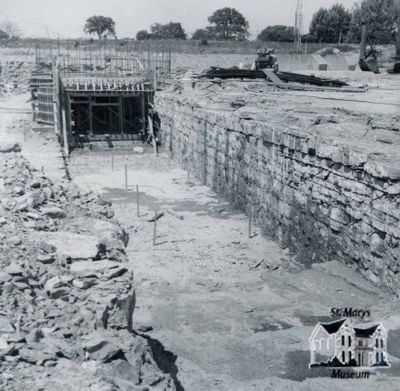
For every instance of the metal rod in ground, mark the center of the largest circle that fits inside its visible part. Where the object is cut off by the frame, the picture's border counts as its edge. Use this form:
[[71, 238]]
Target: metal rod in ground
[[250, 221], [112, 161], [155, 228], [126, 176], [137, 200]]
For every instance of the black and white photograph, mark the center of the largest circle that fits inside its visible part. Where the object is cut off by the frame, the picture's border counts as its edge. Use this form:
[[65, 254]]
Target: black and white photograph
[[199, 195]]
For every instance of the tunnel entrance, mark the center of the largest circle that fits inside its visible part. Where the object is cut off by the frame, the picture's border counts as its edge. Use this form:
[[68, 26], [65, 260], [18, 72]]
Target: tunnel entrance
[[117, 116], [104, 110]]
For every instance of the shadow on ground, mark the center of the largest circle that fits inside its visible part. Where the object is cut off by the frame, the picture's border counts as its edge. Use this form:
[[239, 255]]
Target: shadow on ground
[[165, 360], [297, 368], [221, 211]]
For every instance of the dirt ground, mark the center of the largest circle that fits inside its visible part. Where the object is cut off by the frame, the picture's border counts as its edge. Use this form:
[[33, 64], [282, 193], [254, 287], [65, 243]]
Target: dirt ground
[[234, 312]]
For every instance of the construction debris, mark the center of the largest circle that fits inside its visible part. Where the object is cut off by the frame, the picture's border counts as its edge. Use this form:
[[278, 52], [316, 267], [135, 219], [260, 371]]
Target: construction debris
[[286, 77], [67, 291]]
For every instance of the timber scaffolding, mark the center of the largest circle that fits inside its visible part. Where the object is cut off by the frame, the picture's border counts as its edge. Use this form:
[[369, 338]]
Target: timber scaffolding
[[97, 95]]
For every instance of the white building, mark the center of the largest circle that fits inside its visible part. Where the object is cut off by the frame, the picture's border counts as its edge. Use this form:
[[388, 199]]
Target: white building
[[339, 344]]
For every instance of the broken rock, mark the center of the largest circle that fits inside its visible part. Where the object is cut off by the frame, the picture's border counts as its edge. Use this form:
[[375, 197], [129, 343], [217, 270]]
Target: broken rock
[[7, 147], [5, 326], [54, 212], [14, 270], [36, 353], [74, 246], [46, 259], [56, 288], [83, 284], [101, 348], [119, 312], [53, 283], [90, 268]]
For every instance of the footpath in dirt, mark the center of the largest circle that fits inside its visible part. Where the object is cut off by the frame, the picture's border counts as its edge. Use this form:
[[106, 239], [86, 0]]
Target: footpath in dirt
[[235, 312]]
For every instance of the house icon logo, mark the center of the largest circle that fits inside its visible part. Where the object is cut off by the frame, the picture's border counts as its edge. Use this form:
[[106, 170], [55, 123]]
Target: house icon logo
[[340, 345]]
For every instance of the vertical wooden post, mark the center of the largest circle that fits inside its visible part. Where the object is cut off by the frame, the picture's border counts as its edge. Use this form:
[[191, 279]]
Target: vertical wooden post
[[155, 228], [151, 129], [137, 200], [56, 96], [126, 176], [250, 221], [90, 116], [112, 161], [65, 137]]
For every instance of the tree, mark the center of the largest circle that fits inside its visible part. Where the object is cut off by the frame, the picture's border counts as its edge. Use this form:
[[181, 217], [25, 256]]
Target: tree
[[381, 17], [103, 26], [318, 24], [10, 28], [142, 35], [277, 33], [156, 31], [200, 34], [3, 35], [309, 38], [228, 23], [170, 30], [331, 26]]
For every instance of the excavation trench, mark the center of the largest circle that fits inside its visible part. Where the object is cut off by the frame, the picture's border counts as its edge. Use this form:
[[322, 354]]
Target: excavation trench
[[234, 312], [291, 162], [231, 313]]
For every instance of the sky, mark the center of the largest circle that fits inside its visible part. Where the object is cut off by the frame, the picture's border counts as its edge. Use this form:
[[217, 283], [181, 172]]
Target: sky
[[66, 18]]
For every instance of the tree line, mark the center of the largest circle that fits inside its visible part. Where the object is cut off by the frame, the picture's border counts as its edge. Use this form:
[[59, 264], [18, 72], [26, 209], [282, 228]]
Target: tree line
[[328, 25]]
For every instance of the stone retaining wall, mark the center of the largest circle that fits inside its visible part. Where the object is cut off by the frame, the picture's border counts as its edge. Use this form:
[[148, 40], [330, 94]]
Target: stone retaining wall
[[320, 200]]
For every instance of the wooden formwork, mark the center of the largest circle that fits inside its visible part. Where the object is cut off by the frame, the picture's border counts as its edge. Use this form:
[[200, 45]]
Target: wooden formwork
[[103, 109], [45, 97], [97, 96]]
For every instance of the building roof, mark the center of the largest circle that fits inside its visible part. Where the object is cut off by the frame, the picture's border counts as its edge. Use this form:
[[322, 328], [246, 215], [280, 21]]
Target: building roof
[[333, 327], [366, 333]]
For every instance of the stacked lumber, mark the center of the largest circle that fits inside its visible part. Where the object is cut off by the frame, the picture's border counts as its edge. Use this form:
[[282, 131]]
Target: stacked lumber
[[287, 77]]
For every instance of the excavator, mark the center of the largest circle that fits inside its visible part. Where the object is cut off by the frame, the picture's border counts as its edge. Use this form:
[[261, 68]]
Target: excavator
[[368, 60]]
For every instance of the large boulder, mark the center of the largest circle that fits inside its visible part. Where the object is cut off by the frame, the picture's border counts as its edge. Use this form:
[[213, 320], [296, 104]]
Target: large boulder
[[118, 312], [9, 146], [108, 232], [74, 246]]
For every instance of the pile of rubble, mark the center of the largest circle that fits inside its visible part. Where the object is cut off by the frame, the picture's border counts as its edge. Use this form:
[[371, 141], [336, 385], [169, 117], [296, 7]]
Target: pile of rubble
[[66, 290], [14, 76]]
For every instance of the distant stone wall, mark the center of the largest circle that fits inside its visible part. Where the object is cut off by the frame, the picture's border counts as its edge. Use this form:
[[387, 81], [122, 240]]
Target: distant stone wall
[[322, 201]]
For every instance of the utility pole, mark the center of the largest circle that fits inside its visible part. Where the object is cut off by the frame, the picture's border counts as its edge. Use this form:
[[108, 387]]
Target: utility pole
[[298, 26]]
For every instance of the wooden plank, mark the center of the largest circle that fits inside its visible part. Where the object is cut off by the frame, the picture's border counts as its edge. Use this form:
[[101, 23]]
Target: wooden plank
[[272, 77]]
